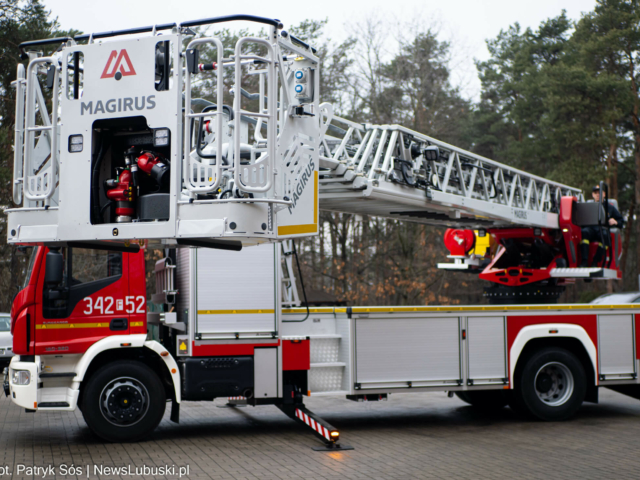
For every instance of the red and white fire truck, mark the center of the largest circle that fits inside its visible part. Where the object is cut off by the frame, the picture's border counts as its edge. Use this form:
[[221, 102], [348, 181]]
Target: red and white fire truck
[[127, 158]]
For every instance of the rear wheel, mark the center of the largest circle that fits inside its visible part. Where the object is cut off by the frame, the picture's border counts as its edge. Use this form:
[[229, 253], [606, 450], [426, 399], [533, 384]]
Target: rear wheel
[[485, 400], [124, 401], [552, 385]]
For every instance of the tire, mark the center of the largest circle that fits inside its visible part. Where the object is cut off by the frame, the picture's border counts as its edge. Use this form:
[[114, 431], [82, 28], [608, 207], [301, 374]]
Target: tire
[[551, 385], [485, 400], [128, 385]]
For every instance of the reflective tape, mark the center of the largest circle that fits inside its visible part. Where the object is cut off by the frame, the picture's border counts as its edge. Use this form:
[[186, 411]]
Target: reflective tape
[[313, 424]]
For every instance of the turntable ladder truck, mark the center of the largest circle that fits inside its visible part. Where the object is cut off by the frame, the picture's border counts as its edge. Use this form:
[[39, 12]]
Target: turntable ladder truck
[[113, 153]]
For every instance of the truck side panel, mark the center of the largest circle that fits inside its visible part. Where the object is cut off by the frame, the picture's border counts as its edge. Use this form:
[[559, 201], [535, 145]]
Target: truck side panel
[[616, 346], [385, 349], [486, 349], [419, 350]]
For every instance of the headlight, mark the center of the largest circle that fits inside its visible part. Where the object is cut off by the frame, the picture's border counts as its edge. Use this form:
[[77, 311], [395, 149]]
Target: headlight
[[21, 377]]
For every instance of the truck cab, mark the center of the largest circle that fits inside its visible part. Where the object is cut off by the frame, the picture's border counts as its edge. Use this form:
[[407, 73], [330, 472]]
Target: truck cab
[[75, 297], [76, 304]]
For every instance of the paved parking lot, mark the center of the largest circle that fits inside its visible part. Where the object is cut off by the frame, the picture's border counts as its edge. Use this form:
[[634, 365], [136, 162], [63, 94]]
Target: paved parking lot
[[410, 436]]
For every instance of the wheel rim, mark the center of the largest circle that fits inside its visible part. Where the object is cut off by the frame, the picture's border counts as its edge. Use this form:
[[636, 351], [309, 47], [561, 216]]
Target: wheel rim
[[554, 384], [124, 401]]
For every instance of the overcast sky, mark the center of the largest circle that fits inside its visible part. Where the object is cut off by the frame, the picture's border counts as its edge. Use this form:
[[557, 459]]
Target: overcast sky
[[466, 23]]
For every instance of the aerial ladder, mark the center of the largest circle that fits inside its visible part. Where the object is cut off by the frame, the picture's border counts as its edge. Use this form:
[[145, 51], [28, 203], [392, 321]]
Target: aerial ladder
[[113, 150]]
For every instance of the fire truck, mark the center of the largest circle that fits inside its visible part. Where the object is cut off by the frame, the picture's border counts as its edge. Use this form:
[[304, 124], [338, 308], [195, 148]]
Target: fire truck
[[113, 154]]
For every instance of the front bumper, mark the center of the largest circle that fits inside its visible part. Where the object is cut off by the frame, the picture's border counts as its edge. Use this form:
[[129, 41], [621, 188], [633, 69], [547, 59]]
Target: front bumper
[[25, 396]]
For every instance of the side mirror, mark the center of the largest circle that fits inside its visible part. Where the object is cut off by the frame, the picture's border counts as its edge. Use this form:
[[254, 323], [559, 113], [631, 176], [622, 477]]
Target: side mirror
[[53, 274]]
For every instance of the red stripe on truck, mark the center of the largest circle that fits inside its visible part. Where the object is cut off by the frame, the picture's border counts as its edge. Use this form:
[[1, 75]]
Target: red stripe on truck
[[226, 350]]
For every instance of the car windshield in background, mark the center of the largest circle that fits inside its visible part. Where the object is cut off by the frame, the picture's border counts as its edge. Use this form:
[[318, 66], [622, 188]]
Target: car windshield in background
[[5, 323], [617, 298]]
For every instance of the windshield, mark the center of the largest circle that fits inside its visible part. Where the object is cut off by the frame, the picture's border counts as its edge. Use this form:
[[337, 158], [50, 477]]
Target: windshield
[[32, 260], [5, 323]]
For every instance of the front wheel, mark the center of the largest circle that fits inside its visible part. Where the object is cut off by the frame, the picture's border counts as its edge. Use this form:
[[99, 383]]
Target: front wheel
[[124, 401], [552, 385]]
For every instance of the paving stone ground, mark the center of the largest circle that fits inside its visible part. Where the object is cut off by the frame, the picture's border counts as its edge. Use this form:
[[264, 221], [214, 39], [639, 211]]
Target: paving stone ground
[[409, 436]]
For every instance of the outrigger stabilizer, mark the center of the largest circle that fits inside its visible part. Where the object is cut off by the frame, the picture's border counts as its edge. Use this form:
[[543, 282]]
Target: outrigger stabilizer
[[294, 407], [296, 410], [322, 429]]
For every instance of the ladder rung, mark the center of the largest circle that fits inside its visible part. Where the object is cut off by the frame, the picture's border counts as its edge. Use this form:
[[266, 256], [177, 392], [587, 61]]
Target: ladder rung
[[262, 115], [206, 114]]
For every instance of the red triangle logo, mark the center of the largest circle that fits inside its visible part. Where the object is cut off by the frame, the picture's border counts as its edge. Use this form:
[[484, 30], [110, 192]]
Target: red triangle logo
[[118, 61]]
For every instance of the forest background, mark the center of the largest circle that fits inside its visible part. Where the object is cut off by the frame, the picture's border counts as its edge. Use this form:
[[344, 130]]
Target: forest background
[[561, 101]]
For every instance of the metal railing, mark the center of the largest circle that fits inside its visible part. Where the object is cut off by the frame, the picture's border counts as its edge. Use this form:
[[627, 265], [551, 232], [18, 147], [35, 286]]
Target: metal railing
[[18, 165], [198, 176], [165, 283], [256, 177], [40, 185], [380, 156]]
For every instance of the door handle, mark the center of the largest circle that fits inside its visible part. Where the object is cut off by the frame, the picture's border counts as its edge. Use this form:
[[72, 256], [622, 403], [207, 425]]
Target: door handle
[[118, 324], [28, 331]]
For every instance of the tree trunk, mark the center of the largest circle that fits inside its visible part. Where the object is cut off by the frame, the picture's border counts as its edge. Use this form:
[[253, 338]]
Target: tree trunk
[[627, 234], [612, 171], [636, 125], [637, 202]]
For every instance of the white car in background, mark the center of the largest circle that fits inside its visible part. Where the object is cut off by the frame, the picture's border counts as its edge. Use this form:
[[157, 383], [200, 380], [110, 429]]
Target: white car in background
[[617, 298], [6, 340]]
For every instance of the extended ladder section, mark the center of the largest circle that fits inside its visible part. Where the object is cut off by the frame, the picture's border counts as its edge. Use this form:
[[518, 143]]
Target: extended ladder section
[[391, 171], [129, 153]]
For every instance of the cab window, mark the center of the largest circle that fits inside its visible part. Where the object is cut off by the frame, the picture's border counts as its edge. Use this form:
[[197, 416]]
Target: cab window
[[85, 271], [89, 265]]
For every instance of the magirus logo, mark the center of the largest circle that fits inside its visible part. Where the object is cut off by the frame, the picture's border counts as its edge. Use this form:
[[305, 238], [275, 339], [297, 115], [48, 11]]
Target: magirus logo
[[119, 65]]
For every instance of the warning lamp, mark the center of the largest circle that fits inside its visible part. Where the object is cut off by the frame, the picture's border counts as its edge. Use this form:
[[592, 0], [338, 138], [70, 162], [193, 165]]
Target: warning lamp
[[431, 153], [335, 435], [161, 137], [75, 143]]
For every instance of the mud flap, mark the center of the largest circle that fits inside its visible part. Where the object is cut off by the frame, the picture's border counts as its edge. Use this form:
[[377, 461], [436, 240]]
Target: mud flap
[[175, 412]]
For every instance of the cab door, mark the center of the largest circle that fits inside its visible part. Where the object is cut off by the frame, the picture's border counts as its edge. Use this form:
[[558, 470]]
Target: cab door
[[136, 301], [89, 305]]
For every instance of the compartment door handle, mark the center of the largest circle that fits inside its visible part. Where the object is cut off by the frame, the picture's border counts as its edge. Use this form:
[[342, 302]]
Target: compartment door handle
[[118, 324]]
